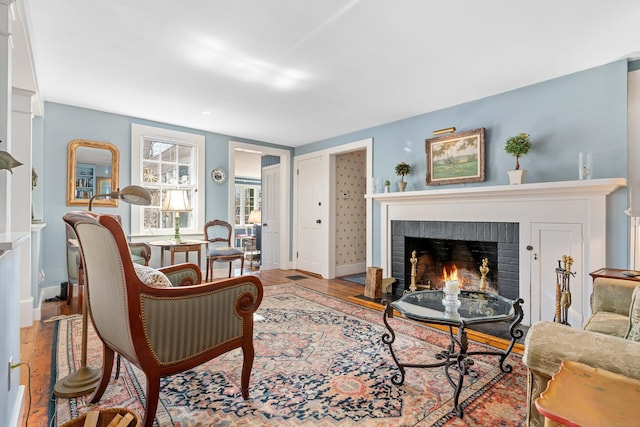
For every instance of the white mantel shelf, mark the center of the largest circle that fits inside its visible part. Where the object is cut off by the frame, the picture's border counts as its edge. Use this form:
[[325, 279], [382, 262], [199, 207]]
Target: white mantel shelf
[[522, 191]]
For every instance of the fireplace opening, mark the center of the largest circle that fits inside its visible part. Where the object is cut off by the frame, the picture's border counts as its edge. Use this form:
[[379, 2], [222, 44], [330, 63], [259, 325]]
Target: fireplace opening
[[440, 244], [436, 257]]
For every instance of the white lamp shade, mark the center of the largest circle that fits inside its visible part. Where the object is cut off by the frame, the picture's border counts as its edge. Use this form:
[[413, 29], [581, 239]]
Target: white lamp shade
[[255, 217], [176, 201]]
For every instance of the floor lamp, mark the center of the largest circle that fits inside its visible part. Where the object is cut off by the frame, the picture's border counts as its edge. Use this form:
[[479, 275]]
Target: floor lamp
[[86, 379]]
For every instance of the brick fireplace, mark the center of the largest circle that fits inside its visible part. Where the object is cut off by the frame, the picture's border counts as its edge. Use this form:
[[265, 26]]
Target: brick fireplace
[[440, 244]]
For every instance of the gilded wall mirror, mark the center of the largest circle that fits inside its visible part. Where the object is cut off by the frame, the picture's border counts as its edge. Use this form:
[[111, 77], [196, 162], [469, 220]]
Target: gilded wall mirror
[[92, 168]]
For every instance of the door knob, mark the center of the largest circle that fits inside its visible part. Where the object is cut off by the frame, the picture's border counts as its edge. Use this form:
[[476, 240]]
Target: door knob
[[318, 221], [265, 224]]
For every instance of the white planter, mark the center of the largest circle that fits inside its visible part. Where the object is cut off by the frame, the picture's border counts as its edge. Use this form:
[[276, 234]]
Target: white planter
[[517, 176]]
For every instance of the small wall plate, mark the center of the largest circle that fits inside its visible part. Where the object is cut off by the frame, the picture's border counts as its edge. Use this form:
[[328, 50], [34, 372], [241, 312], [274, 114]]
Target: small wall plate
[[218, 176]]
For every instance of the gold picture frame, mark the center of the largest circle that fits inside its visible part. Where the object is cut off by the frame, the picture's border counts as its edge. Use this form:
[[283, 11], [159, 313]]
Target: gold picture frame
[[456, 158]]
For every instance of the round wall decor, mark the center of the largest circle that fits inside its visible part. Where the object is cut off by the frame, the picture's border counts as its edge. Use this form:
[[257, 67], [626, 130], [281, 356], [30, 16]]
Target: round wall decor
[[218, 176]]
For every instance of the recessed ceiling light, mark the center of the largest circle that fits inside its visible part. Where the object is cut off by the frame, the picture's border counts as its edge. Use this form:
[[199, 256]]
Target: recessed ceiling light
[[206, 113]]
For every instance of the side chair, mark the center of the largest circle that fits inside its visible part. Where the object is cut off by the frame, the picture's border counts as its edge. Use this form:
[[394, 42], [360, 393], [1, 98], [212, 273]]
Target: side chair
[[161, 330], [217, 233]]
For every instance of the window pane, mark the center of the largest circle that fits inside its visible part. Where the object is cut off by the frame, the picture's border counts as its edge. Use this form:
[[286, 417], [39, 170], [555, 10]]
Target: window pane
[[185, 154], [170, 154], [149, 172], [151, 218]]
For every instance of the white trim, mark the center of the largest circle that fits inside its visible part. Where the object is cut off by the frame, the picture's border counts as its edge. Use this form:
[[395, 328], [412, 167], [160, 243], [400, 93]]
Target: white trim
[[285, 191], [348, 269], [198, 203]]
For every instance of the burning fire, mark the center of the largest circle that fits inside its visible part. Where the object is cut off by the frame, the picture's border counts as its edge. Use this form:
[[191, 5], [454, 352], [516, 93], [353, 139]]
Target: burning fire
[[451, 274]]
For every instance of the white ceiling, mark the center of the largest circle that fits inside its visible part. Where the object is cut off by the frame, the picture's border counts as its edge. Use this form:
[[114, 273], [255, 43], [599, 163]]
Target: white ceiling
[[296, 71]]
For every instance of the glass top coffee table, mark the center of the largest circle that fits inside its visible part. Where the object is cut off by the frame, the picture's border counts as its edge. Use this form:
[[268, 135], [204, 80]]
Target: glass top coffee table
[[472, 307]]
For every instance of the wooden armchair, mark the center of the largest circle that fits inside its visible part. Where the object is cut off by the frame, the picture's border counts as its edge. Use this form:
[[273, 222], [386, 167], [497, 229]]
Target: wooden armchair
[[162, 331]]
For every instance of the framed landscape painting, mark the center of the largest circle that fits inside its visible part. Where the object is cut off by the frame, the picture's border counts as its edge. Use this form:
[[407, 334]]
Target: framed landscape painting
[[455, 158]]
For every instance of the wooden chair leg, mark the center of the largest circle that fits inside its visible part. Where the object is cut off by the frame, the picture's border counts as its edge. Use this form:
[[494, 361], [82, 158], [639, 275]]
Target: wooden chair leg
[[206, 276], [153, 392], [242, 265], [230, 268], [69, 292]]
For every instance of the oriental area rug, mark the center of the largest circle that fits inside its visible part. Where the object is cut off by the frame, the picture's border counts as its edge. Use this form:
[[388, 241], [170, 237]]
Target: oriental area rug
[[319, 361]]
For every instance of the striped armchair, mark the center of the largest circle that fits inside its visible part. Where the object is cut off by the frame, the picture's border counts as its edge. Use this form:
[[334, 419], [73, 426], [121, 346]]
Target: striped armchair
[[162, 331]]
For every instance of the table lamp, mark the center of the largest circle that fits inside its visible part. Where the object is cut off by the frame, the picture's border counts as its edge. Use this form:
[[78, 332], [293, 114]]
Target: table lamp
[[255, 217], [176, 201], [86, 379]]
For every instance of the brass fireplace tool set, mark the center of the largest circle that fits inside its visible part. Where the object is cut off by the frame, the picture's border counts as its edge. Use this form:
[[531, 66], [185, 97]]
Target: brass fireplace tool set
[[563, 289]]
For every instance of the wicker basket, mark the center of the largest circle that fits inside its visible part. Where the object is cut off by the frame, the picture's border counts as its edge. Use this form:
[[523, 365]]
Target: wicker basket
[[106, 415]]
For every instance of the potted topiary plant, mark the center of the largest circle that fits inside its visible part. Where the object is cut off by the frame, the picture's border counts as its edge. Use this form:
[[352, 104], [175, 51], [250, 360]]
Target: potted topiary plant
[[387, 184], [518, 146], [402, 169]]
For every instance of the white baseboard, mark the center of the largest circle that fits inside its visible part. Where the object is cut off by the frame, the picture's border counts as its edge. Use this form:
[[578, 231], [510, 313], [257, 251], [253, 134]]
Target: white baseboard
[[26, 312], [347, 269], [18, 408], [49, 292]]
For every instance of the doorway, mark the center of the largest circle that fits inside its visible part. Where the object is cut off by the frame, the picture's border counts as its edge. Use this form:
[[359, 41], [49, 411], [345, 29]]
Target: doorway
[[273, 182], [315, 204]]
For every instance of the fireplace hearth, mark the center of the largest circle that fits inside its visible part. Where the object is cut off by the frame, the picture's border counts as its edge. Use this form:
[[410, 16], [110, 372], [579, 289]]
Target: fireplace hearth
[[443, 244]]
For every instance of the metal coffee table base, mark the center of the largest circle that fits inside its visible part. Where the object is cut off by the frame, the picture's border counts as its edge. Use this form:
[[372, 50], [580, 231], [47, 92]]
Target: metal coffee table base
[[455, 357]]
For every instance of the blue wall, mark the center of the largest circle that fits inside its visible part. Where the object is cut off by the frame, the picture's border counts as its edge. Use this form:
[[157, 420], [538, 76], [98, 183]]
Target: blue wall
[[585, 111], [64, 123]]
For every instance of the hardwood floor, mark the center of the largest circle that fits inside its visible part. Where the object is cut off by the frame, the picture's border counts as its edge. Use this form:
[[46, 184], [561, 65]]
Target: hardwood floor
[[36, 341]]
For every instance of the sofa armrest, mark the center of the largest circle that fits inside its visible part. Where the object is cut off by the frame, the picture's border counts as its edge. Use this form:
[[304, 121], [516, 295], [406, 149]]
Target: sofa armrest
[[184, 274], [612, 295], [547, 344]]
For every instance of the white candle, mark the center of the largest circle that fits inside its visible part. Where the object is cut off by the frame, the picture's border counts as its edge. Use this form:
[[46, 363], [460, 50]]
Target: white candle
[[451, 286]]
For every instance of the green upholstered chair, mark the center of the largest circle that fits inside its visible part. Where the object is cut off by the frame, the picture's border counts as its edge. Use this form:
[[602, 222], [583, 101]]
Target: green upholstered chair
[[161, 330], [609, 340]]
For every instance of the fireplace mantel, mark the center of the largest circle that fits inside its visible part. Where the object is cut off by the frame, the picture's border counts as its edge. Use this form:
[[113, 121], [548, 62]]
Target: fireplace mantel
[[555, 218], [523, 191]]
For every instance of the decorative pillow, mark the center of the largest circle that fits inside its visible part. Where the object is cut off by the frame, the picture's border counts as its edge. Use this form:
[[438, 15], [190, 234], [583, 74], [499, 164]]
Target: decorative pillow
[[634, 316], [152, 277]]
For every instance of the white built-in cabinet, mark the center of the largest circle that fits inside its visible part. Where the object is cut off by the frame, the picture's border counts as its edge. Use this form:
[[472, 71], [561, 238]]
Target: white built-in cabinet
[[548, 243]]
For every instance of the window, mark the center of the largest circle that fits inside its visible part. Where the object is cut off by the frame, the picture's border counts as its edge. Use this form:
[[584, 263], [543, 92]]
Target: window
[[248, 198], [162, 159]]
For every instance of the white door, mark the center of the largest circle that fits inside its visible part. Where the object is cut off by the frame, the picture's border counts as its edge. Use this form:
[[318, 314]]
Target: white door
[[550, 242], [311, 189], [270, 251]]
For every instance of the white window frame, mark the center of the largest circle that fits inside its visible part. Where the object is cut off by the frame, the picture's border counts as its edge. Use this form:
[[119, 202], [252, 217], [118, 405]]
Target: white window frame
[[138, 133]]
